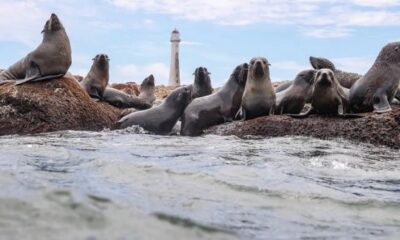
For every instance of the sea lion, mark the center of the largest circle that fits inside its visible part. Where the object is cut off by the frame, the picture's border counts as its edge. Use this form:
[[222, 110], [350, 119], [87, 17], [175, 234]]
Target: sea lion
[[376, 89], [346, 79], [97, 79], [120, 99], [160, 119], [50, 60], [328, 96], [259, 96], [293, 99], [216, 108], [202, 83], [147, 89]]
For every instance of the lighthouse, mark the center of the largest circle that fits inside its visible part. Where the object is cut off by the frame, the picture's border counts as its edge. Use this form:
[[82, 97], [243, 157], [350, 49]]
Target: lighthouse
[[174, 77]]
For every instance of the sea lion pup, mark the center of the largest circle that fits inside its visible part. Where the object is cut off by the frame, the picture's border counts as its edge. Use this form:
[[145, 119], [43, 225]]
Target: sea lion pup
[[293, 99], [97, 79], [376, 89], [346, 79], [147, 89], [160, 119], [328, 97], [216, 108], [259, 96], [120, 99], [202, 83], [50, 60]]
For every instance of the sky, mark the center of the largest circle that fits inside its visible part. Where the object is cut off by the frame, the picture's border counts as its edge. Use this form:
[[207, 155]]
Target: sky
[[217, 34]]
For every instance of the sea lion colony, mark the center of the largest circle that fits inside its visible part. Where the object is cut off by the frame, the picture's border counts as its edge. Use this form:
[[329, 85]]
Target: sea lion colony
[[247, 94]]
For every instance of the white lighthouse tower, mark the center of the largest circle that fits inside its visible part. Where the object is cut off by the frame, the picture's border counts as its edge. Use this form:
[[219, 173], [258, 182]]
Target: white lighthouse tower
[[174, 77]]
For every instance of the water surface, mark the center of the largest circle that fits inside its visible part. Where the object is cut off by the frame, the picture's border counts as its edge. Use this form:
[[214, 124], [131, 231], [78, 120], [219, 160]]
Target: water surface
[[122, 185]]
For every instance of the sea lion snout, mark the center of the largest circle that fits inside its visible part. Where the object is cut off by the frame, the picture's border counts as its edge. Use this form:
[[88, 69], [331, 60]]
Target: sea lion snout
[[324, 77]]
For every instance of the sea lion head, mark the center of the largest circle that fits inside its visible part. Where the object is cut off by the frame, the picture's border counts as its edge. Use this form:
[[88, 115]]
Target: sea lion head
[[325, 78], [147, 82], [240, 74], [101, 60], [390, 53], [53, 24], [180, 97], [319, 63], [305, 77], [259, 67], [201, 76]]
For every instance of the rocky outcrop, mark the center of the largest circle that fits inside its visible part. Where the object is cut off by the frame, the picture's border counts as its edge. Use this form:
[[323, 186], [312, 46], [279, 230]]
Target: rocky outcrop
[[380, 129], [54, 105]]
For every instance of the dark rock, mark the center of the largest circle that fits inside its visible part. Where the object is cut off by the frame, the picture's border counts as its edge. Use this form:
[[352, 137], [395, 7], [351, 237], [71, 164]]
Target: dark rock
[[383, 129], [54, 105]]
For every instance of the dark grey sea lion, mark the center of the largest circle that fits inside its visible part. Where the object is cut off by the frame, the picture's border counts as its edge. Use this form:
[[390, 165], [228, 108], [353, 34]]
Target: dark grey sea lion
[[160, 119], [120, 99], [259, 96], [376, 89], [147, 89], [346, 79], [202, 83], [328, 97], [97, 79], [50, 60], [216, 108], [293, 99]]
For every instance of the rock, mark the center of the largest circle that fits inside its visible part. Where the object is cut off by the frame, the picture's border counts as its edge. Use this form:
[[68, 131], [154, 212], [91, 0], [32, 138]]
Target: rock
[[383, 129], [130, 88], [78, 78], [54, 105]]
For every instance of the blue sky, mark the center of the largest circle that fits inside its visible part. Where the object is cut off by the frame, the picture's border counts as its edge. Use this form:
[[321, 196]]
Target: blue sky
[[216, 34]]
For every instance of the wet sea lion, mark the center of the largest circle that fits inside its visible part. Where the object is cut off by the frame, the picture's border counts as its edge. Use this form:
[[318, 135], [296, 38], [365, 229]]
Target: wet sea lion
[[376, 89], [346, 79], [160, 119], [202, 83], [293, 99], [50, 60], [147, 89], [328, 96], [216, 108], [259, 96], [120, 99], [97, 79]]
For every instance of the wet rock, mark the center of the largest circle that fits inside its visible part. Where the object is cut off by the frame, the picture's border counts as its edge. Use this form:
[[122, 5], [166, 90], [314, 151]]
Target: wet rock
[[383, 129], [54, 105]]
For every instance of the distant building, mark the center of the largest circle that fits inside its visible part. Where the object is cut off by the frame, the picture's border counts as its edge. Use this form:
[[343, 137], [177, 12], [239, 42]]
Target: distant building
[[174, 76]]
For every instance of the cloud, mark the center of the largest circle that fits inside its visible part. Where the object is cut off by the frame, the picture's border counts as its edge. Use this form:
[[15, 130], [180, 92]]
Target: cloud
[[354, 64], [136, 73], [21, 21], [336, 18], [289, 65]]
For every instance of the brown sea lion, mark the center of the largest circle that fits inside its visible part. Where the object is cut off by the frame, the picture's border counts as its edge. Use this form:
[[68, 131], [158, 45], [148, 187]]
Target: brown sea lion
[[259, 96], [216, 108], [346, 79], [50, 60], [147, 89], [120, 99], [328, 97], [293, 99], [376, 89], [97, 79], [160, 119], [202, 83]]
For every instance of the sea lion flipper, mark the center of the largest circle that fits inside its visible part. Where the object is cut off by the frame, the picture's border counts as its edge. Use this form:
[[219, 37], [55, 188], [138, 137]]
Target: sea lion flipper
[[241, 114], [350, 115], [303, 115], [397, 96], [381, 104]]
